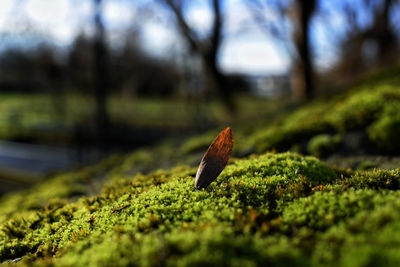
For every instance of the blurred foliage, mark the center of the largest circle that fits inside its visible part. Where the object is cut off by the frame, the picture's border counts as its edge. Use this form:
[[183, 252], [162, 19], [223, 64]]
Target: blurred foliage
[[64, 186], [371, 107], [260, 125], [35, 117], [386, 130], [323, 144]]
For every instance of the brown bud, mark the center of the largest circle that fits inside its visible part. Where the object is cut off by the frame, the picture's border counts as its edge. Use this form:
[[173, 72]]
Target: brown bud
[[215, 159]]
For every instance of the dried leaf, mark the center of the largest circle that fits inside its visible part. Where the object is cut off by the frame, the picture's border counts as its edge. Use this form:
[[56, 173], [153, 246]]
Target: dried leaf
[[215, 159]]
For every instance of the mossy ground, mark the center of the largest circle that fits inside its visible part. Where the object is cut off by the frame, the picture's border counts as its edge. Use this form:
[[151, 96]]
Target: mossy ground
[[371, 108], [281, 209], [274, 208]]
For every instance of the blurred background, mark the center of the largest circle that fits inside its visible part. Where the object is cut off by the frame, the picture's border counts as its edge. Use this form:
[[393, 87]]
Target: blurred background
[[82, 79]]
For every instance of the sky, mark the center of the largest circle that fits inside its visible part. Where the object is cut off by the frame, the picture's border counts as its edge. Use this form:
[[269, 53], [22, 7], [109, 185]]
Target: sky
[[246, 48]]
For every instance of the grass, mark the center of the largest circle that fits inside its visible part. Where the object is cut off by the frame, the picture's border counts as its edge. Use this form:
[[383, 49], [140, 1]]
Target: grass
[[47, 117]]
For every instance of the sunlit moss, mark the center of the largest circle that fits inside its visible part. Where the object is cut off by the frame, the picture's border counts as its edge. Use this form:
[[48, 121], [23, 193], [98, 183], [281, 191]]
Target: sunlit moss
[[239, 201], [385, 131], [279, 209], [375, 110], [323, 145]]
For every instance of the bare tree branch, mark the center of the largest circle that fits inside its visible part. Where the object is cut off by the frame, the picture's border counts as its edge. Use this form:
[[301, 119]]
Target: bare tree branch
[[207, 48], [188, 33], [217, 27], [278, 31]]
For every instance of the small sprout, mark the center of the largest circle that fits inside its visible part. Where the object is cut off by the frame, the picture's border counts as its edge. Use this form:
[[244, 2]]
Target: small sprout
[[215, 159]]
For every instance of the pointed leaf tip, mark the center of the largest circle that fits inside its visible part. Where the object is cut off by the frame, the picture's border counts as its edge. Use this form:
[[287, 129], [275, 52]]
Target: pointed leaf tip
[[215, 159]]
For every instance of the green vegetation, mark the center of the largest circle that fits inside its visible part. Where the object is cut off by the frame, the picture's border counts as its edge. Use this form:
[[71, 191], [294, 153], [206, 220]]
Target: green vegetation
[[323, 144], [372, 107], [281, 209], [386, 130], [274, 208], [47, 118], [318, 127]]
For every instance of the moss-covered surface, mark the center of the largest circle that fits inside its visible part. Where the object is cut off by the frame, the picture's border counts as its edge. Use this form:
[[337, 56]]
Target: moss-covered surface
[[275, 208], [280, 209], [372, 108], [323, 144], [321, 127]]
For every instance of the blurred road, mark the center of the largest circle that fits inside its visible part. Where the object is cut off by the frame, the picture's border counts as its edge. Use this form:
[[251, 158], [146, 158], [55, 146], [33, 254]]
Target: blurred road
[[23, 164]]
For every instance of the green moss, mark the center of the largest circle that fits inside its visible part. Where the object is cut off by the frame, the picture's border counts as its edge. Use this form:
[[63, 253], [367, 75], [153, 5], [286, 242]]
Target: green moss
[[62, 186], [323, 145], [198, 143], [367, 165], [295, 129], [278, 209], [369, 238], [270, 209], [358, 110], [322, 210], [385, 131], [376, 179], [374, 107], [243, 196], [215, 246]]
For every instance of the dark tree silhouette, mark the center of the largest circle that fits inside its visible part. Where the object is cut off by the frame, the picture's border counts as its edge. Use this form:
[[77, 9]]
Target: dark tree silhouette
[[381, 31], [365, 47], [101, 79], [79, 64], [207, 48], [299, 13], [304, 84]]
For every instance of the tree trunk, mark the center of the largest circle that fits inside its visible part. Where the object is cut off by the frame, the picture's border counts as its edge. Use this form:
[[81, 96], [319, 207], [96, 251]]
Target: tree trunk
[[220, 82], [304, 82], [386, 37], [208, 50], [101, 81]]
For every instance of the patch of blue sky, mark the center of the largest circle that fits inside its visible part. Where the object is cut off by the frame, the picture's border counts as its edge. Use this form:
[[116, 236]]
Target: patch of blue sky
[[245, 48]]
